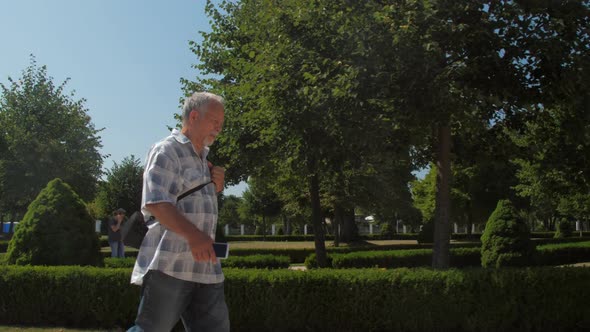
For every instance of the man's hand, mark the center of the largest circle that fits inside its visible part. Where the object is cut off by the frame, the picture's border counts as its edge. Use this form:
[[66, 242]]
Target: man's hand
[[202, 247], [217, 176], [201, 244]]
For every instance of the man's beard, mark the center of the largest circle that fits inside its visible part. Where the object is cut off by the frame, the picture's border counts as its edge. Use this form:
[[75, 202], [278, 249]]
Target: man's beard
[[208, 141]]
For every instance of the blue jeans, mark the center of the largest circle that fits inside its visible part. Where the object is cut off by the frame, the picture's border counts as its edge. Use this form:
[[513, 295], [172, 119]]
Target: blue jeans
[[165, 299], [117, 249]]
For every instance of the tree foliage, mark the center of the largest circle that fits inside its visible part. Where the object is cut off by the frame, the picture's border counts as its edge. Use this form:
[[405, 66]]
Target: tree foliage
[[45, 133], [56, 230], [229, 211], [350, 97], [122, 188]]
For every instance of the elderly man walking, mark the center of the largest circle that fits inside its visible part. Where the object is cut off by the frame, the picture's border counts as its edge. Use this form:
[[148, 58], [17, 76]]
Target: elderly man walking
[[180, 275]]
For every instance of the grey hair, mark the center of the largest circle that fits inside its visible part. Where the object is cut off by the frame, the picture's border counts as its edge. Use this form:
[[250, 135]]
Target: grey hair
[[198, 102]]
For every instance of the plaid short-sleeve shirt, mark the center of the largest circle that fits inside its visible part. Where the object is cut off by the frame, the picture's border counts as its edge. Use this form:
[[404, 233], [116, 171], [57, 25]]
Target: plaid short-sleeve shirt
[[172, 168]]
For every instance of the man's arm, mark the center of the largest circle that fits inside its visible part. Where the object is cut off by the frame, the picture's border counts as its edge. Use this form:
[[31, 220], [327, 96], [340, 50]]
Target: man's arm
[[200, 243], [115, 226]]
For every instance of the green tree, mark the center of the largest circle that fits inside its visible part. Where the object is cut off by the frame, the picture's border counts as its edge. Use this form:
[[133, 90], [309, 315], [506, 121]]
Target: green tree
[[312, 83], [293, 72], [45, 134], [56, 230], [423, 194], [229, 211], [261, 201], [122, 188], [564, 229]]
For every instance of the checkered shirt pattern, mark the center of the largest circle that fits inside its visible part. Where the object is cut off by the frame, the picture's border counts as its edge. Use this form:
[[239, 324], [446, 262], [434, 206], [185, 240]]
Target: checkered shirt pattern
[[172, 168]]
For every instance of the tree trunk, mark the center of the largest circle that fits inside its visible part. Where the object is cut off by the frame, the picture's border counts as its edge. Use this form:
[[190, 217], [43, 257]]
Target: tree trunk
[[263, 228], [286, 225], [442, 228], [1, 224], [316, 216], [336, 222], [349, 229]]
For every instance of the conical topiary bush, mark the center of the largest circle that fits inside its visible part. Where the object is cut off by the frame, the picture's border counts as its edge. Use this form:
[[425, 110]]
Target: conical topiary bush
[[56, 230], [506, 239], [564, 229]]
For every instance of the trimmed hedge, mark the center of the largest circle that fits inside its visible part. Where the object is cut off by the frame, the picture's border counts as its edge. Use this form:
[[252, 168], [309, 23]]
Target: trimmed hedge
[[253, 262], [257, 261], [555, 254], [460, 257], [119, 263], [299, 255], [563, 253], [509, 299], [397, 236]]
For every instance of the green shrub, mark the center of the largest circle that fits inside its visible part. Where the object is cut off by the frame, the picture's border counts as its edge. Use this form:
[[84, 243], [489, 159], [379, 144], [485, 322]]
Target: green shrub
[[258, 230], [280, 231], [426, 234], [460, 257], [257, 262], [56, 230], [506, 239], [311, 261], [251, 262], [564, 229], [119, 263], [281, 300], [387, 231], [563, 253]]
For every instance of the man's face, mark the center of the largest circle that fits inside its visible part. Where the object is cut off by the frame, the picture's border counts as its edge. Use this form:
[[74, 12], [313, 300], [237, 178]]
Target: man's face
[[119, 216], [209, 125]]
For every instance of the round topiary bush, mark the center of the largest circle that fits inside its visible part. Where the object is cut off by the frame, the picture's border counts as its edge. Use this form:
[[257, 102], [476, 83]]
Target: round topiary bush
[[56, 230], [426, 234], [564, 229], [506, 239]]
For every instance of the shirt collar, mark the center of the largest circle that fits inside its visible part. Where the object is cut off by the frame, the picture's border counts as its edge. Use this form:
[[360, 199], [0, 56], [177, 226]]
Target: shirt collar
[[182, 139]]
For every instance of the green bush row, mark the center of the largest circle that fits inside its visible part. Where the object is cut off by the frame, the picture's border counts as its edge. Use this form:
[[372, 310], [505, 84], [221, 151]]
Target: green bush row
[[257, 261], [554, 254], [529, 299], [299, 255], [397, 236], [251, 262], [460, 257]]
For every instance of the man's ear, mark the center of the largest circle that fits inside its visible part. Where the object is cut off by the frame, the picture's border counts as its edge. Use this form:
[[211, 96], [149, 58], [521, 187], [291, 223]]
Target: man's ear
[[195, 115]]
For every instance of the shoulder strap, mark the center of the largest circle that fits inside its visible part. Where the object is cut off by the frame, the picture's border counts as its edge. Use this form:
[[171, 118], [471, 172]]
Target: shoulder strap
[[197, 188]]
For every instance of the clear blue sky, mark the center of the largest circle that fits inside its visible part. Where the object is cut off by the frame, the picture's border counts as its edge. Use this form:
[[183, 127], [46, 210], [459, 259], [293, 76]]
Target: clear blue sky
[[125, 57]]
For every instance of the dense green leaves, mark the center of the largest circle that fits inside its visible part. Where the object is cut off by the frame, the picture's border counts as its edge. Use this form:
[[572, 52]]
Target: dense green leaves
[[122, 188], [45, 133], [57, 230], [506, 239], [344, 99]]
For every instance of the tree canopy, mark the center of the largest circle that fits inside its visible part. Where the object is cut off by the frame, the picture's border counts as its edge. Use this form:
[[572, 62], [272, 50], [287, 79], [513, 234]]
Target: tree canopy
[[45, 133]]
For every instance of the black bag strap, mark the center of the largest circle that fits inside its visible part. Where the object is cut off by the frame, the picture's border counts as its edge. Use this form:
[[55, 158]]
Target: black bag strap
[[197, 188]]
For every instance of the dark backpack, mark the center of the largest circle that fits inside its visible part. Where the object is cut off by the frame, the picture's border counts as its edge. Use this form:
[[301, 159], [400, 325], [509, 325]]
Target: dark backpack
[[133, 230]]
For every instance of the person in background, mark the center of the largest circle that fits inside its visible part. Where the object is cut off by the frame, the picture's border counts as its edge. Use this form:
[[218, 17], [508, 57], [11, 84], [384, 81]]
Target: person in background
[[115, 239]]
